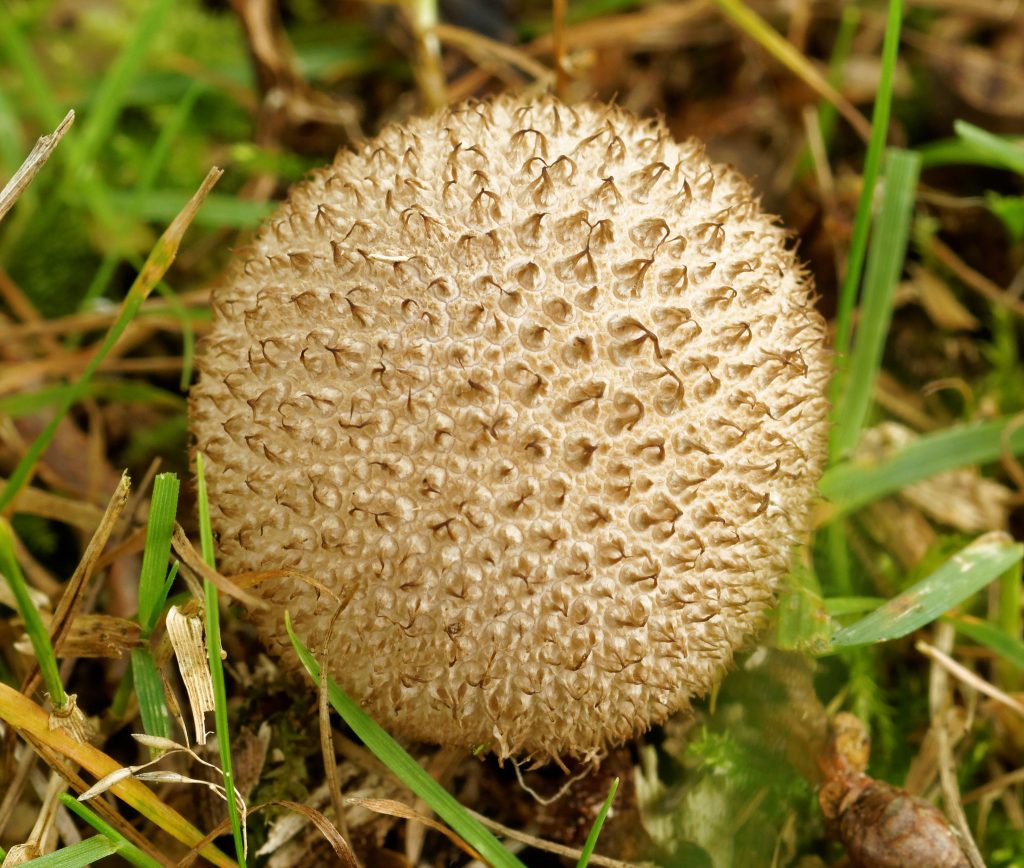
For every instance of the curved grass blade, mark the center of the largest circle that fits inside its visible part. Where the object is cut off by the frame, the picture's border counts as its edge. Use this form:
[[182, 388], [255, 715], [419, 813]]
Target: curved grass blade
[[38, 635], [122, 846], [995, 150], [801, 622], [1009, 648], [840, 606], [967, 572], [872, 165], [886, 257], [76, 855], [23, 403], [149, 690], [109, 100], [221, 211], [751, 23], [595, 830], [213, 649], [855, 483], [152, 576], [410, 772]]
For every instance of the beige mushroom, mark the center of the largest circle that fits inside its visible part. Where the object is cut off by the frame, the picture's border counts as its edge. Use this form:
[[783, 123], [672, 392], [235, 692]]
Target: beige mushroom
[[539, 393]]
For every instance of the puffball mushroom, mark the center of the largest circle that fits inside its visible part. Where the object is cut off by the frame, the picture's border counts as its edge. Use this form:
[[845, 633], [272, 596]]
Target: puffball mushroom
[[538, 393]]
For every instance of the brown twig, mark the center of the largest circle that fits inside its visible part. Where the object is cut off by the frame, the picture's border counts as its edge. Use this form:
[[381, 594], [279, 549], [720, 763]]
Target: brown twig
[[964, 675], [789, 56], [550, 846], [192, 559], [326, 745], [439, 767], [23, 308], [152, 312], [973, 279], [46, 504], [481, 47], [60, 624], [286, 99], [17, 777], [994, 786], [660, 24], [939, 698]]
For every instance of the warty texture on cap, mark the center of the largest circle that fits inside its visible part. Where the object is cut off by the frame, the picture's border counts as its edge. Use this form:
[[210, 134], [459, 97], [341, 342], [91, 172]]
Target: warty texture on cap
[[538, 393]]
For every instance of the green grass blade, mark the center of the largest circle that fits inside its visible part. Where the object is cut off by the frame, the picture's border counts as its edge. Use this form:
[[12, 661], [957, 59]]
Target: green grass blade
[[11, 145], [188, 335], [213, 651], [149, 690], [853, 484], [1009, 648], [967, 572], [958, 151], [884, 267], [840, 569], [125, 848], [169, 582], [839, 606], [996, 151], [77, 855], [37, 632], [155, 161], [801, 622], [109, 100], [872, 166], [1010, 623], [205, 525], [169, 133], [159, 260], [82, 146], [841, 49], [410, 772], [25, 403], [45, 107], [152, 577], [595, 830], [220, 212]]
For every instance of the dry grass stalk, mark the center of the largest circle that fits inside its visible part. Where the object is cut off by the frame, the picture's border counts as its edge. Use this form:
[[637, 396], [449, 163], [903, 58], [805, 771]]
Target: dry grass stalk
[[939, 699], [33, 163]]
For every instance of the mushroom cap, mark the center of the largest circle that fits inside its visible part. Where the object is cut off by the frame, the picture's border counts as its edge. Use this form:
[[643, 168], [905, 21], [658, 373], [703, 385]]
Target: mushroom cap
[[538, 394]]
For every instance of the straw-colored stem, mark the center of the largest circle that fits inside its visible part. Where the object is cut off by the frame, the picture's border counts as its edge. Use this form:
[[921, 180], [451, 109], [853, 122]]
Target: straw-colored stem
[[423, 19], [558, 10]]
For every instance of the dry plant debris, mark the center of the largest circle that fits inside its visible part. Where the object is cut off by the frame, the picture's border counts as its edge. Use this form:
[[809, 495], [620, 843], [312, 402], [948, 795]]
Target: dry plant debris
[[881, 826]]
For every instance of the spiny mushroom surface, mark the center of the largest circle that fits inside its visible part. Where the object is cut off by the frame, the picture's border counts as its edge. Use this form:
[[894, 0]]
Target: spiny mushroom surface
[[538, 393]]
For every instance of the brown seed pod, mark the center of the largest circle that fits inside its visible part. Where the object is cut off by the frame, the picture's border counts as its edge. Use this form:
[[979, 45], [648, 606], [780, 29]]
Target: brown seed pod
[[538, 391], [880, 825]]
